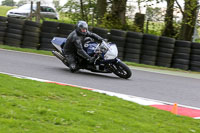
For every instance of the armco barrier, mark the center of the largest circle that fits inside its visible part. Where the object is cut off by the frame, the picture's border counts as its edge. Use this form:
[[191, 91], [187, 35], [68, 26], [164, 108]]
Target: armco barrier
[[132, 46]]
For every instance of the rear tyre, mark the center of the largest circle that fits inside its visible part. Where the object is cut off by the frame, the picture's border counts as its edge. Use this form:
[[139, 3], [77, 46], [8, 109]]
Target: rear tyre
[[120, 69]]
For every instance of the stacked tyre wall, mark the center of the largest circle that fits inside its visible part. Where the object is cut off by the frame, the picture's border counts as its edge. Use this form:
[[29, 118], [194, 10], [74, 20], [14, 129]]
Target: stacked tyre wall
[[101, 32], [14, 32], [149, 49], [165, 51], [65, 29], [195, 57], [31, 35], [3, 27], [181, 57], [49, 30], [132, 46]]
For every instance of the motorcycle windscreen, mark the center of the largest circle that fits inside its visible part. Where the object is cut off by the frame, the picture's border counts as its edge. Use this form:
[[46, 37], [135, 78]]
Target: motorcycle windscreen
[[112, 52], [91, 48]]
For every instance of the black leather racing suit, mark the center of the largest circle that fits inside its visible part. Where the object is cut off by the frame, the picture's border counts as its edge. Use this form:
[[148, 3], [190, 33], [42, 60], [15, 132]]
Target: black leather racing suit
[[74, 47]]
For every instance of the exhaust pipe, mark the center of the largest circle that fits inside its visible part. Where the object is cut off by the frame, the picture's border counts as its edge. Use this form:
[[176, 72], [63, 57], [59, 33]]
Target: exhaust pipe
[[58, 55]]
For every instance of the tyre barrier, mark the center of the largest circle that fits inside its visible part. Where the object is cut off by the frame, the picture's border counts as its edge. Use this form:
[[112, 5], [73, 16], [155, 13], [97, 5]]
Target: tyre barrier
[[165, 51], [195, 57], [3, 27], [65, 29], [49, 29], [133, 46], [149, 49], [181, 57], [31, 35], [14, 32], [100, 31], [119, 38]]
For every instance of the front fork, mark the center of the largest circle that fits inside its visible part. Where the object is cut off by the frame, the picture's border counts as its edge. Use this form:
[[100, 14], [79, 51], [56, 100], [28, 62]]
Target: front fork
[[110, 64]]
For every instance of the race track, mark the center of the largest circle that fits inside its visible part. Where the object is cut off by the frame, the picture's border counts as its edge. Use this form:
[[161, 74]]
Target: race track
[[163, 87]]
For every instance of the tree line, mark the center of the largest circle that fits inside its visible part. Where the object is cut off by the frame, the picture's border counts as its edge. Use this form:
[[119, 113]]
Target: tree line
[[113, 14]]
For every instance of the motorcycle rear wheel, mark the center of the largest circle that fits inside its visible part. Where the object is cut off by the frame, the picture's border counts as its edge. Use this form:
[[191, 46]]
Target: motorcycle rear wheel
[[122, 70]]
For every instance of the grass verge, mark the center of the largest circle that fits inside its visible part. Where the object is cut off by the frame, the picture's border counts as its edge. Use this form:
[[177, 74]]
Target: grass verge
[[31, 106], [128, 63], [26, 50], [4, 10]]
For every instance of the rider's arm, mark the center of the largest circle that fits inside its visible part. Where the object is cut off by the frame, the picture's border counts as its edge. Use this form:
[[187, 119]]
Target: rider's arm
[[80, 51], [95, 36]]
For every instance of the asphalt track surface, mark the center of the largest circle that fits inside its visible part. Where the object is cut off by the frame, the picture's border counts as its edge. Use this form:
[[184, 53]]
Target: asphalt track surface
[[163, 87]]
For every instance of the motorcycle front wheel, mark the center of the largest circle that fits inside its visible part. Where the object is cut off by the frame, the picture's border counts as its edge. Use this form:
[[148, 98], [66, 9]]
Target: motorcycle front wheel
[[120, 69]]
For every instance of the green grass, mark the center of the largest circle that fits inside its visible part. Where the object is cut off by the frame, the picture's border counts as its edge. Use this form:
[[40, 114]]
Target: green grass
[[4, 9], [35, 107], [26, 50]]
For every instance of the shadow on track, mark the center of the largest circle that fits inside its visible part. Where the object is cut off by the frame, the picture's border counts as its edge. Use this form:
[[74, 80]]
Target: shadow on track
[[88, 73]]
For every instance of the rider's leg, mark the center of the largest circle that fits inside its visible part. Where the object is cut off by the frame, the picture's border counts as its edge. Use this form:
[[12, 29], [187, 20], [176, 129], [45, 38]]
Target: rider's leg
[[73, 66]]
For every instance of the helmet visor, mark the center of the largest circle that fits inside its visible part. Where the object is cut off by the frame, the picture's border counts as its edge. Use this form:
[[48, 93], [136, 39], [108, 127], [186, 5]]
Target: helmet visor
[[83, 30]]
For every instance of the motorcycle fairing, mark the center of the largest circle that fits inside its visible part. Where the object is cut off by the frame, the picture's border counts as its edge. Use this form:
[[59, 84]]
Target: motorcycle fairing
[[59, 42]]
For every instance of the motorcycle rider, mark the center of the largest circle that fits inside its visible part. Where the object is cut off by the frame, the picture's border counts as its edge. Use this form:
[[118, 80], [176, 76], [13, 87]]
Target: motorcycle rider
[[74, 45]]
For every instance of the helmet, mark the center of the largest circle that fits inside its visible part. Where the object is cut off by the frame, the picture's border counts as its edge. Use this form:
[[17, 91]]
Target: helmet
[[82, 28]]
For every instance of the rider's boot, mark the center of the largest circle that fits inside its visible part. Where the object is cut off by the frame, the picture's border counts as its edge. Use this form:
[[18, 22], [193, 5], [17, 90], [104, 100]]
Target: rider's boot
[[73, 67]]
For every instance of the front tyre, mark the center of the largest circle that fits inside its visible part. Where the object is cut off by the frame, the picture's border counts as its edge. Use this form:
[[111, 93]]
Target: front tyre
[[120, 69]]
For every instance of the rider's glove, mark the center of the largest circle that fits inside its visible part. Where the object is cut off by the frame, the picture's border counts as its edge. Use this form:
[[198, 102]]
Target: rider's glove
[[105, 40]]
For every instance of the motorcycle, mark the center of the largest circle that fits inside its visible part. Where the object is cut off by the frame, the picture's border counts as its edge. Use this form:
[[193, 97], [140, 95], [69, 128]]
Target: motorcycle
[[105, 54]]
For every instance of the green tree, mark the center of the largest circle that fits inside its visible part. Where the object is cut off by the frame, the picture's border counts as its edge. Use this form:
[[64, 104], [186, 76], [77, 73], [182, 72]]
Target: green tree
[[72, 10], [169, 28], [115, 17], [118, 11], [188, 21], [80, 10], [8, 3], [22, 2], [57, 4], [154, 17], [154, 14], [101, 10]]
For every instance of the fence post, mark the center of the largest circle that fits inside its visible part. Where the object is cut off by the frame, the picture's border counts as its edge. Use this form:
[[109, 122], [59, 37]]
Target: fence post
[[38, 12], [31, 12]]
